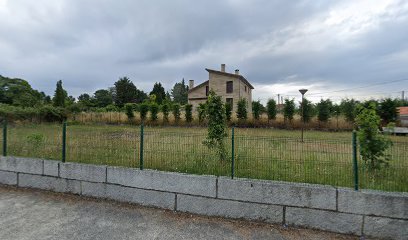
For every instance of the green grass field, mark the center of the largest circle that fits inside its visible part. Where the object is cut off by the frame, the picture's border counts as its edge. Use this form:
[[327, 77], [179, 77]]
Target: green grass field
[[323, 158]]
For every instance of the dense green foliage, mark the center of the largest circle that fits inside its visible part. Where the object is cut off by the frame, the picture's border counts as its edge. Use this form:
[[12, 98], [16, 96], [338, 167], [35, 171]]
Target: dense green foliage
[[289, 109], [348, 108], [18, 92], [143, 109], [176, 112], [256, 109], [125, 91], [324, 108], [216, 125], [165, 110], [60, 96], [271, 109], [202, 111], [242, 109], [180, 93], [188, 109], [158, 91], [129, 111], [387, 110], [308, 110], [373, 145], [154, 110]]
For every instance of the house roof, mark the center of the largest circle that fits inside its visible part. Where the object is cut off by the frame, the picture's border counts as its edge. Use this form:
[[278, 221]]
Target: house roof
[[231, 75], [199, 85], [403, 110]]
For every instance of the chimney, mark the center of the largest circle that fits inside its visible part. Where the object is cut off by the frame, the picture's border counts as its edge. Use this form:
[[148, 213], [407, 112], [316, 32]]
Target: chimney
[[191, 84], [237, 71], [223, 67]]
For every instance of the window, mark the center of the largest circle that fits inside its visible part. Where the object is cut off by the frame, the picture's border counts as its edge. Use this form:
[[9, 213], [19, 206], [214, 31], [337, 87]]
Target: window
[[230, 101], [206, 90], [229, 86], [245, 88]]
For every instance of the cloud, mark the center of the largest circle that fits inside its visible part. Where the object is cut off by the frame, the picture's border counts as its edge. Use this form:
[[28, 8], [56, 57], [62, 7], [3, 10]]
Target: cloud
[[279, 46]]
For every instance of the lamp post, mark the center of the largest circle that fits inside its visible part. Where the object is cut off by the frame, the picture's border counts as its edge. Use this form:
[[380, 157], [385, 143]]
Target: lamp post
[[303, 91]]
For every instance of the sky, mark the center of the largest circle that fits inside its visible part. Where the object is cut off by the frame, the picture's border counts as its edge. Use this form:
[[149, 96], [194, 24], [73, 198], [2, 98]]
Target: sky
[[335, 49]]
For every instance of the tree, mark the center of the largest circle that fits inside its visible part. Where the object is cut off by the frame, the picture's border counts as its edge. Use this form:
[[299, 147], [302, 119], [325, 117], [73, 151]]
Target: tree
[[372, 144], [180, 93], [308, 110], [158, 90], [348, 108], [242, 109], [154, 110], [216, 125], [60, 95], [165, 109], [256, 109], [289, 109], [85, 101], [202, 111], [126, 92], [336, 111], [176, 111], [102, 98], [324, 110], [188, 108], [129, 111], [18, 92], [144, 109], [271, 109], [388, 110]]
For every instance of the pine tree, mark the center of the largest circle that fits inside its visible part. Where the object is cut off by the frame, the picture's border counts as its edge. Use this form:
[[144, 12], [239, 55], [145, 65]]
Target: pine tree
[[60, 95]]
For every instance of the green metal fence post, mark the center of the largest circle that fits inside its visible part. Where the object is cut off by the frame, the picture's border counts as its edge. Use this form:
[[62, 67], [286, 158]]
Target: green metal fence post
[[64, 140], [141, 145], [232, 153], [5, 138], [355, 165]]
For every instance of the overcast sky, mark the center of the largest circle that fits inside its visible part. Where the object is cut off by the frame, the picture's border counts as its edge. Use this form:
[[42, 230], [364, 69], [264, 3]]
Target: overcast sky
[[278, 45]]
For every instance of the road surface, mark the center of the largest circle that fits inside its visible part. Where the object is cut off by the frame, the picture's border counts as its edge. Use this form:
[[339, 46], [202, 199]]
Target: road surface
[[31, 214]]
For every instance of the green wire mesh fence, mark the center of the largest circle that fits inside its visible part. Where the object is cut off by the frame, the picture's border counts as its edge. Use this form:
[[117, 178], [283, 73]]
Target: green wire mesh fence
[[321, 159]]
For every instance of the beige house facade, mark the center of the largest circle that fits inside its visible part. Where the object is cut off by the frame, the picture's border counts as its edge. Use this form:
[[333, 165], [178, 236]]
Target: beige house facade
[[230, 86]]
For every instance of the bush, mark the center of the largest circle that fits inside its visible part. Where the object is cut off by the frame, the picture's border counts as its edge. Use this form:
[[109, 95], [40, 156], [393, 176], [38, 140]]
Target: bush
[[372, 144], [271, 109], [176, 111], [165, 109], [202, 111], [129, 111], [53, 114], [308, 110], [289, 109], [144, 109], [324, 110], [154, 110], [111, 108], [242, 109], [188, 108], [216, 125], [256, 109]]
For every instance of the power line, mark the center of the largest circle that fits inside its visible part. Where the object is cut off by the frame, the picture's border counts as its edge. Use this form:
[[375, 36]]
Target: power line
[[371, 85]]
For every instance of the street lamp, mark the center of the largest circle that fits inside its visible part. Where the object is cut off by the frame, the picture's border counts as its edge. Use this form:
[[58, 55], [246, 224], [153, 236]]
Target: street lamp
[[303, 91]]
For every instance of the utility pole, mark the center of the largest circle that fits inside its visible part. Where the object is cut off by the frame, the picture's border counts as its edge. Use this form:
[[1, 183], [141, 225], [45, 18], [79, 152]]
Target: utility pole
[[402, 95], [278, 99]]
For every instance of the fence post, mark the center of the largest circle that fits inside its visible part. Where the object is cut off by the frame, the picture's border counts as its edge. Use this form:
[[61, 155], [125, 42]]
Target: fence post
[[141, 145], [5, 138], [64, 140], [355, 165], [232, 153]]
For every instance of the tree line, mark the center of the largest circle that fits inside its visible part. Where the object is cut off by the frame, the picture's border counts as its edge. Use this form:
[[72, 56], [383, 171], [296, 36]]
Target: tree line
[[19, 101]]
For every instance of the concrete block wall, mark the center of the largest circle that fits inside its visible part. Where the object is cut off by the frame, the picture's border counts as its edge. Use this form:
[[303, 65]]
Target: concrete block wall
[[342, 210]]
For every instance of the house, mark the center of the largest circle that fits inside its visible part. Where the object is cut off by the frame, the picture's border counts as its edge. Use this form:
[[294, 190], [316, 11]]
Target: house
[[230, 86], [403, 116]]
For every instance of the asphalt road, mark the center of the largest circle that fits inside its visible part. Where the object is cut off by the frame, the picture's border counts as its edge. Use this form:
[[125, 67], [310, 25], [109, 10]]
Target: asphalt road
[[32, 214]]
